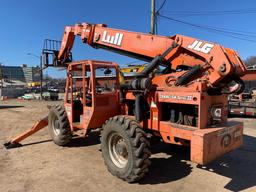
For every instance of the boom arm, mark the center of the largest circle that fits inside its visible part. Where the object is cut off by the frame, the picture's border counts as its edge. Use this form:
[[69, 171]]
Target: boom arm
[[215, 61]]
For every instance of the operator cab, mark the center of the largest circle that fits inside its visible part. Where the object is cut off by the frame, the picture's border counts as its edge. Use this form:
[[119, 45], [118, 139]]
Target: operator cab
[[91, 88]]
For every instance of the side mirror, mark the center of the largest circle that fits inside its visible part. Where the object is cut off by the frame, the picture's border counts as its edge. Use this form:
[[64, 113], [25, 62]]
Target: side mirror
[[107, 71]]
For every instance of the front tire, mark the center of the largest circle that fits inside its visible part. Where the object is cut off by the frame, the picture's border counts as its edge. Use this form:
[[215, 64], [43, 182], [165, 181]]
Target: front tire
[[59, 125], [125, 148]]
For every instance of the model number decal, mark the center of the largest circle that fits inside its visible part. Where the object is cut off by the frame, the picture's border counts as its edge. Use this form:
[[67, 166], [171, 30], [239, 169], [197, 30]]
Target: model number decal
[[201, 47], [112, 39], [187, 98]]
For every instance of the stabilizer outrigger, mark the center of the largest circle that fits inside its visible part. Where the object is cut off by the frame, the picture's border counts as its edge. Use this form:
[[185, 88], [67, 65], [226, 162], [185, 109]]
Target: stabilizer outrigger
[[35, 128]]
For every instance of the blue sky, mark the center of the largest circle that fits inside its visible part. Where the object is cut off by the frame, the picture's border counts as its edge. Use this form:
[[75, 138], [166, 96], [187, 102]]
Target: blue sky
[[25, 24]]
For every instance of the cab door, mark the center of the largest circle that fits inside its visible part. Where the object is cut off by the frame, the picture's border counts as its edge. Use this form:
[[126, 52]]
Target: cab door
[[104, 82], [68, 99]]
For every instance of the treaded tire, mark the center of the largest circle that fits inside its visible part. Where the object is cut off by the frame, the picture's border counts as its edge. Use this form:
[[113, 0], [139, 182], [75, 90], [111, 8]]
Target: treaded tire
[[59, 125], [136, 144]]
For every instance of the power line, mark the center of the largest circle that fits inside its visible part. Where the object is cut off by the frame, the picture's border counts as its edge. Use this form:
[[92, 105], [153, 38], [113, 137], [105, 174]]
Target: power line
[[215, 11], [156, 15], [239, 31], [225, 32], [222, 30], [162, 5], [212, 12]]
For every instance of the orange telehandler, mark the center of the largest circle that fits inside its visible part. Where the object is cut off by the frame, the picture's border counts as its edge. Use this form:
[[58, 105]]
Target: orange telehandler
[[184, 103]]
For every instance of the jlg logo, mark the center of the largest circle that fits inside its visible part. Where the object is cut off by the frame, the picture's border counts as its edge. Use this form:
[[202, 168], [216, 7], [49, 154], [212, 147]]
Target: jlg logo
[[199, 46], [114, 39]]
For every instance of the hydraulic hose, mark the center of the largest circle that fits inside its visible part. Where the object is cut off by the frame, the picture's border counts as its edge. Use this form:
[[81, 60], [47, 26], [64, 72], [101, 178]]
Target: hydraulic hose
[[157, 61], [189, 76], [138, 107]]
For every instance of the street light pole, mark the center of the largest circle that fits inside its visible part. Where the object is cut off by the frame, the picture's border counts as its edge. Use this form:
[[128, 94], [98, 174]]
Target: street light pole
[[41, 72], [41, 77]]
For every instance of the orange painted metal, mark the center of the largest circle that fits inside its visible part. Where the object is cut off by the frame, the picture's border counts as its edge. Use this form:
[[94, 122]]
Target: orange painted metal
[[147, 46], [207, 139], [103, 106], [210, 143], [206, 144], [36, 127], [218, 64], [250, 75]]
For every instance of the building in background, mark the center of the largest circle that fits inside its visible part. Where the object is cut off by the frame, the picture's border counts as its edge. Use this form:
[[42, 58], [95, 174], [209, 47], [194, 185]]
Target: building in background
[[21, 73], [14, 80], [1, 77]]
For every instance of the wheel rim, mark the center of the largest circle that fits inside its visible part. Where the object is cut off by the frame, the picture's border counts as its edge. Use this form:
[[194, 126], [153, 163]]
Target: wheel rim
[[118, 150], [55, 125]]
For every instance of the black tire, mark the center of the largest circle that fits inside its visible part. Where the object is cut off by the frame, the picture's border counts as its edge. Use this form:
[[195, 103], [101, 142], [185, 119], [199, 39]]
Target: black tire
[[134, 157], [59, 125]]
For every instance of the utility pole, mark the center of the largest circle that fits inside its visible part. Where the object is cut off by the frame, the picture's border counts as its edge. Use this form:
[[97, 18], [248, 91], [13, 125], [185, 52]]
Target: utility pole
[[152, 23]]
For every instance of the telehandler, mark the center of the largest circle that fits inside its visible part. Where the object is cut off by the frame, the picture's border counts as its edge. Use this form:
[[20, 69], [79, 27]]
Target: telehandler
[[184, 104]]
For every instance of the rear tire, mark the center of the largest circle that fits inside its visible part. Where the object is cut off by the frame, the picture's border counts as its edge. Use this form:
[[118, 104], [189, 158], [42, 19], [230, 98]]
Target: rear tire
[[59, 125], [125, 148]]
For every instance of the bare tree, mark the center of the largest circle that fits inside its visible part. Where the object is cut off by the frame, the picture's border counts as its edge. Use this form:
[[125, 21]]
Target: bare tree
[[250, 61]]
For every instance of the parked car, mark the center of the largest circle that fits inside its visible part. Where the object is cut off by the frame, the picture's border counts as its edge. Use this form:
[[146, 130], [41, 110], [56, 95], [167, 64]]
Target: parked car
[[50, 95]]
